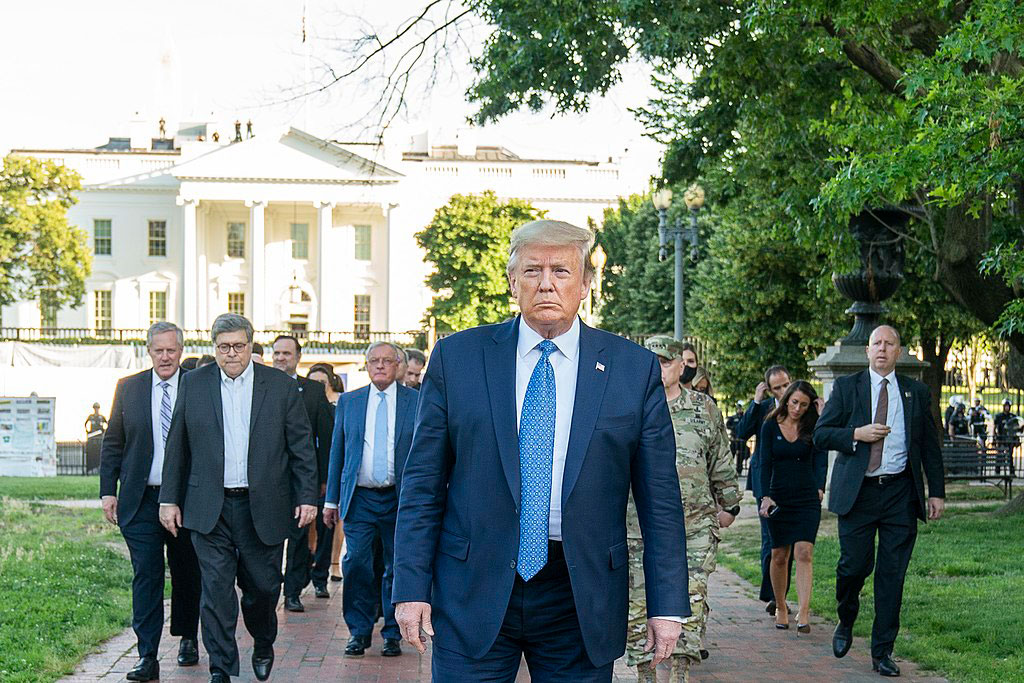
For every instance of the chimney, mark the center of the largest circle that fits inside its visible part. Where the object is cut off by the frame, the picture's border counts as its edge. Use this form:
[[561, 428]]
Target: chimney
[[465, 140]]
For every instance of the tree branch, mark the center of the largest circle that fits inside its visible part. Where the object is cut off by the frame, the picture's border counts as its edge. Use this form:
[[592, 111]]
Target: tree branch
[[867, 59]]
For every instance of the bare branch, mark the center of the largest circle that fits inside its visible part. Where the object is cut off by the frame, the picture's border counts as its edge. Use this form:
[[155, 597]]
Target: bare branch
[[867, 59]]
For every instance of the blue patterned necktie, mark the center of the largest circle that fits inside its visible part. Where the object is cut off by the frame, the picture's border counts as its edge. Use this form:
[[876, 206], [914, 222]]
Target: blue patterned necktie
[[165, 412], [536, 448], [380, 441]]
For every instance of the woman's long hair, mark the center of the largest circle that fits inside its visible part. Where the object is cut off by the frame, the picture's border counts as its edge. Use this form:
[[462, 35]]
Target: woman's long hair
[[809, 418], [332, 379]]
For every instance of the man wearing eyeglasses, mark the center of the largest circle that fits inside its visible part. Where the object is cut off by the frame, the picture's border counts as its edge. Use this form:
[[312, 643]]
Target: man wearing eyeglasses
[[372, 434], [239, 471]]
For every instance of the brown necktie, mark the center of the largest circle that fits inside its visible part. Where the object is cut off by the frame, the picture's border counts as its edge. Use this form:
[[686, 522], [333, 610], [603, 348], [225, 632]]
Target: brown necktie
[[881, 413]]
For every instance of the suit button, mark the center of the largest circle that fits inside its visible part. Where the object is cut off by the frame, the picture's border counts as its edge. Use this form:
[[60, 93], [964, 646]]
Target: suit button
[[512, 564]]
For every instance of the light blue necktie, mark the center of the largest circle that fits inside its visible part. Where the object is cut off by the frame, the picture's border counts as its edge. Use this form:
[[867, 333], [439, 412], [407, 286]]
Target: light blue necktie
[[165, 412], [380, 441], [536, 448]]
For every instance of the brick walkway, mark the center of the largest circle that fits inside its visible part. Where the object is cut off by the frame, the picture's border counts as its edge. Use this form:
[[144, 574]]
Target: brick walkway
[[743, 642]]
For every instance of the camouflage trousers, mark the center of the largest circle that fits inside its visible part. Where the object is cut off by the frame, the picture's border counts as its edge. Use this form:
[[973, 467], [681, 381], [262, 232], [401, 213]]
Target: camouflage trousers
[[701, 552]]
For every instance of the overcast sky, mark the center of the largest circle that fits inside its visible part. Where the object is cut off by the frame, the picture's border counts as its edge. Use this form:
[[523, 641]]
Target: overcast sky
[[75, 72]]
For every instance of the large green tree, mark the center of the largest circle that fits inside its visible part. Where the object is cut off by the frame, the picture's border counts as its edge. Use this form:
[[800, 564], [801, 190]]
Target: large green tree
[[41, 254], [467, 242]]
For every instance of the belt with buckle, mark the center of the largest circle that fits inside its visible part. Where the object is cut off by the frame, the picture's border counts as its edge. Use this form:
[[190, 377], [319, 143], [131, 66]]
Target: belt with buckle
[[236, 493], [886, 479]]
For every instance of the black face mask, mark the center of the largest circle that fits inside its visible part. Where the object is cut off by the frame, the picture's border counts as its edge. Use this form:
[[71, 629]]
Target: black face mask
[[689, 372]]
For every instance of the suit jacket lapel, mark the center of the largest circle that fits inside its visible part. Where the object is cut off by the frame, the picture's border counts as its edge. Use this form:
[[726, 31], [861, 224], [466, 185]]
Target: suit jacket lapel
[[907, 397], [218, 405], [590, 386], [500, 377], [145, 407], [402, 401], [359, 403], [258, 392], [864, 408]]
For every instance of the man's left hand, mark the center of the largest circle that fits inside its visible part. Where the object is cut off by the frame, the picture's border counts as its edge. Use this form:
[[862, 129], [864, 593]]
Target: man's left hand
[[936, 506], [725, 519], [662, 635], [305, 514]]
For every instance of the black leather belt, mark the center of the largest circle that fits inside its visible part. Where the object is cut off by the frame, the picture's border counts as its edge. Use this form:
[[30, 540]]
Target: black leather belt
[[886, 479], [236, 493], [153, 487], [381, 489]]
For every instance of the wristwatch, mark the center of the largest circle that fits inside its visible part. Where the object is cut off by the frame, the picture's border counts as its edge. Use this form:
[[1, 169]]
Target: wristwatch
[[735, 510]]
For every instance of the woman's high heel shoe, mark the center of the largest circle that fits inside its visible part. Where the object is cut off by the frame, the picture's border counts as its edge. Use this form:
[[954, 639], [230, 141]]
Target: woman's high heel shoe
[[781, 627], [803, 628]]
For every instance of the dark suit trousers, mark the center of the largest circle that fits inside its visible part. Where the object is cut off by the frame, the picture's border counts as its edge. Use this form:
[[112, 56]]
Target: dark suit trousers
[[300, 564], [146, 539], [889, 512], [233, 551], [371, 516], [540, 624]]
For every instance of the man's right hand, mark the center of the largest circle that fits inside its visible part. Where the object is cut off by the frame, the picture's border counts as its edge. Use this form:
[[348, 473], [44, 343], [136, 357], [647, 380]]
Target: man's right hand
[[170, 517], [871, 433], [330, 517], [110, 508], [411, 618], [760, 391]]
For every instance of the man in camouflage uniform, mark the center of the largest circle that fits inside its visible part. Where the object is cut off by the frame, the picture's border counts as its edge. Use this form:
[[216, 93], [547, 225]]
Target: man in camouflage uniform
[[711, 496]]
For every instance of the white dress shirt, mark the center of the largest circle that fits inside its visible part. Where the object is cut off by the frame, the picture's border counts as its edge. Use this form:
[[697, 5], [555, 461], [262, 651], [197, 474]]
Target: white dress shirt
[[156, 397], [894, 448], [236, 398], [565, 363], [366, 464]]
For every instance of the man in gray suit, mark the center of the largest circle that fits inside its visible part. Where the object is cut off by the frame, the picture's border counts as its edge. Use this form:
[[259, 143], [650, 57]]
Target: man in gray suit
[[239, 469]]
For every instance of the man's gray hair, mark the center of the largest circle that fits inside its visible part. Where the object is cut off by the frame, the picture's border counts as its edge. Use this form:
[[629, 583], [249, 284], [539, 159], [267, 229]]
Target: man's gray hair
[[160, 328], [399, 353], [551, 234], [231, 322]]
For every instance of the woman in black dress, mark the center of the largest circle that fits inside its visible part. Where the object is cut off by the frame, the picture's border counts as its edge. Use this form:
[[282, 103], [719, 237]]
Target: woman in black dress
[[793, 473]]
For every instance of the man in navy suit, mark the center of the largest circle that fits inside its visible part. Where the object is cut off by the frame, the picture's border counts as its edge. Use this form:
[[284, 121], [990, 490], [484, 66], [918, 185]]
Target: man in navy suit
[[131, 465], [881, 426], [511, 536], [776, 381], [372, 433]]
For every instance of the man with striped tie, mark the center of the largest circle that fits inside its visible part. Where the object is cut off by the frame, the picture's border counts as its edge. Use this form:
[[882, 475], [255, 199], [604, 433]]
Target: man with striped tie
[[372, 433], [130, 475]]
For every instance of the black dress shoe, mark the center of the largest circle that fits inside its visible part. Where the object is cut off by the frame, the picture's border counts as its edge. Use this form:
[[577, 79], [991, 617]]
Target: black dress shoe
[[322, 592], [770, 607], [218, 677], [356, 646], [842, 639], [262, 664], [188, 652], [147, 669], [293, 604], [392, 648], [885, 666]]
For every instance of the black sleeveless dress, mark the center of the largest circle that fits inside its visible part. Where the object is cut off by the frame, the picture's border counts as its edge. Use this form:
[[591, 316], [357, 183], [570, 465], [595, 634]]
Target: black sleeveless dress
[[791, 473]]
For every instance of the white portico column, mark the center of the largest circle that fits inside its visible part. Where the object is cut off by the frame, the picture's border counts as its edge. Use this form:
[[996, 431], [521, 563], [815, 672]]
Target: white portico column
[[257, 262], [325, 221], [189, 269]]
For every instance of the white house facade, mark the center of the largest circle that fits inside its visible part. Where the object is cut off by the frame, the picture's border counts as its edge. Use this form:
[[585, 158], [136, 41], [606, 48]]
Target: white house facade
[[293, 231]]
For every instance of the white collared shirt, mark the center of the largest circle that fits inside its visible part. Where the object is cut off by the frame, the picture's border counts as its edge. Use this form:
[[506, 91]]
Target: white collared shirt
[[894, 448], [156, 469], [236, 399], [369, 427], [565, 363]]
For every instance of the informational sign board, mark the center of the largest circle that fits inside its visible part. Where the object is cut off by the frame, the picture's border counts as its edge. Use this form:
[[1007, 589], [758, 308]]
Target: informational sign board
[[27, 444]]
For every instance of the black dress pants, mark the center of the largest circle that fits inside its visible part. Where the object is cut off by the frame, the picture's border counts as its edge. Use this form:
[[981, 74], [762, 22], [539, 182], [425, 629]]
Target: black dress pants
[[300, 565], [231, 552], [887, 510], [146, 539]]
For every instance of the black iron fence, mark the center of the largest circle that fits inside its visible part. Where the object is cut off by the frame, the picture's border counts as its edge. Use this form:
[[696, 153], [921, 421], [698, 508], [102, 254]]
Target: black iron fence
[[72, 458]]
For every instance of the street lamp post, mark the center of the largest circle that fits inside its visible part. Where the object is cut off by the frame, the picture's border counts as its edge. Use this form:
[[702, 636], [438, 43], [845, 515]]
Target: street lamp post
[[694, 200]]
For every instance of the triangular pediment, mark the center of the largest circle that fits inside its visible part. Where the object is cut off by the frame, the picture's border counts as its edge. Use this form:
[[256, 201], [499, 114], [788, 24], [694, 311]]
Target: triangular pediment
[[292, 156]]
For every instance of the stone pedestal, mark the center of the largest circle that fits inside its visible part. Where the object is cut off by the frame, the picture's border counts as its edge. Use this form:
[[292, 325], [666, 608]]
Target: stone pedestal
[[842, 359]]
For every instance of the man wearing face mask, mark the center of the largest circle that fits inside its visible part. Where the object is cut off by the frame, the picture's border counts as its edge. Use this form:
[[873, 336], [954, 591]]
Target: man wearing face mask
[[766, 398], [711, 500]]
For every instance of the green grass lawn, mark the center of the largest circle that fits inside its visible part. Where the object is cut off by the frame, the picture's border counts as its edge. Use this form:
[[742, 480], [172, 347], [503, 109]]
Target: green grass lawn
[[963, 606], [50, 488], [65, 586]]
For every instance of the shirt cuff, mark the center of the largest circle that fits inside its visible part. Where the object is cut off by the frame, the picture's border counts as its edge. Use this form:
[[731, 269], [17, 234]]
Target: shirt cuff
[[678, 620], [165, 505], [331, 506]]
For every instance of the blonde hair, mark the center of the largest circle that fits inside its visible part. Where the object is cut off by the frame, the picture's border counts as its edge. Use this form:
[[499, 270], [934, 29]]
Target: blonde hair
[[552, 234]]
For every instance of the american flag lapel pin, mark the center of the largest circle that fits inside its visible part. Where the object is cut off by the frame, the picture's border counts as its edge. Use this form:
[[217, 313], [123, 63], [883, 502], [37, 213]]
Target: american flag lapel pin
[[600, 367]]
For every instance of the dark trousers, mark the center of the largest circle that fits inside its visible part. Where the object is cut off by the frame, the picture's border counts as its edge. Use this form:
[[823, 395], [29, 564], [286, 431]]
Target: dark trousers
[[540, 624], [767, 592], [146, 539], [889, 511], [370, 517], [300, 565], [231, 552]]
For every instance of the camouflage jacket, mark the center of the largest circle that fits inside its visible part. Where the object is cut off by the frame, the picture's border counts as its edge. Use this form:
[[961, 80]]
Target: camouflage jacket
[[707, 473]]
